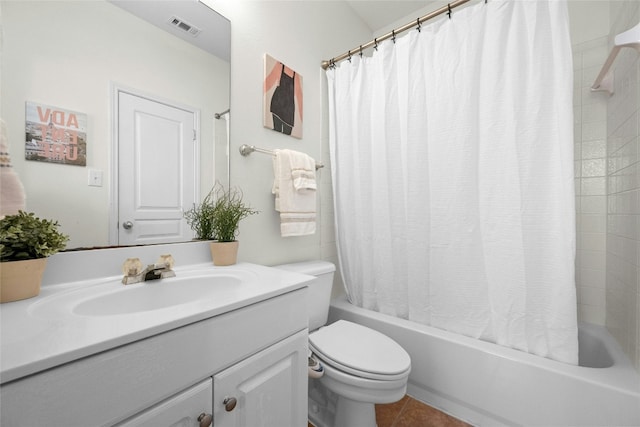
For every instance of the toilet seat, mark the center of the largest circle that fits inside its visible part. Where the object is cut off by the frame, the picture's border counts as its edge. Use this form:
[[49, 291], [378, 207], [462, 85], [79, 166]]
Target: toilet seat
[[360, 351]]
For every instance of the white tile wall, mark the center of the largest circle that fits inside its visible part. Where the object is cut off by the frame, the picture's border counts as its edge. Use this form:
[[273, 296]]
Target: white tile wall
[[590, 132], [623, 190]]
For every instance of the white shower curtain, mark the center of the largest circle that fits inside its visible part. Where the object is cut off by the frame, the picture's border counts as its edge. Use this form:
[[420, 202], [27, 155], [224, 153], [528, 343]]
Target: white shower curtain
[[452, 163]]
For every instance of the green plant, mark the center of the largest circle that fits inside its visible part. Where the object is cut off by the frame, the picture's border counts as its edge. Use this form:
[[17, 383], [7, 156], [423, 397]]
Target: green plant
[[200, 218], [228, 209], [219, 214], [24, 236]]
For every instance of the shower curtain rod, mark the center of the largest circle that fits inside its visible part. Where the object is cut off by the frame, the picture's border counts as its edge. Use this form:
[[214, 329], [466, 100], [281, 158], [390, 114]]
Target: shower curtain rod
[[393, 33]]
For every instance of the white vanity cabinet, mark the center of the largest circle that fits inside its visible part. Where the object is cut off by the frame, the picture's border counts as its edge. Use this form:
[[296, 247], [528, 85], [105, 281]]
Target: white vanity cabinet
[[254, 354], [265, 389], [192, 407]]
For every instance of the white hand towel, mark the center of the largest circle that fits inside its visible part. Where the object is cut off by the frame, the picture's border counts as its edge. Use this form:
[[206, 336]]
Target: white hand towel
[[297, 208], [303, 171]]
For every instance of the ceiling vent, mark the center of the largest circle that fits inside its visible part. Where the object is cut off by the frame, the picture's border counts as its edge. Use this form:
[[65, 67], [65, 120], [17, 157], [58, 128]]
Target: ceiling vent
[[184, 26]]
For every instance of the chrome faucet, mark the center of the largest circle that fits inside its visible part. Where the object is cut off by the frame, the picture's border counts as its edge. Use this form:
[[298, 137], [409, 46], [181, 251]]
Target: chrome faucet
[[133, 272]]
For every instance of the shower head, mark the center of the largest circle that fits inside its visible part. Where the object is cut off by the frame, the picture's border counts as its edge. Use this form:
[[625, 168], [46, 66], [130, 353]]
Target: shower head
[[630, 38]]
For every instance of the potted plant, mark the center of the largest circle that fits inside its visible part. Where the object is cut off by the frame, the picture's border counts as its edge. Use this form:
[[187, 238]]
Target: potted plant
[[217, 218], [25, 243]]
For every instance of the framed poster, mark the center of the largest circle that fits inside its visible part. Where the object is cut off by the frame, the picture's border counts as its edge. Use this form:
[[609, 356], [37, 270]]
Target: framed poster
[[55, 135], [282, 98]]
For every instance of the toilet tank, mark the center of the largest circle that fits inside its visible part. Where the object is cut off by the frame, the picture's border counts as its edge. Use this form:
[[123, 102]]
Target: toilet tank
[[319, 294]]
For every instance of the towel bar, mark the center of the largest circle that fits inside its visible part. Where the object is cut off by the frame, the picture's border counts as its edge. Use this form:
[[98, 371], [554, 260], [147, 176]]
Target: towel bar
[[245, 150]]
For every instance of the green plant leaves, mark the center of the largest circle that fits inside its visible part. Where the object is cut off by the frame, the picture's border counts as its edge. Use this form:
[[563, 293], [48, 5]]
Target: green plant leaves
[[200, 219], [25, 236], [219, 214]]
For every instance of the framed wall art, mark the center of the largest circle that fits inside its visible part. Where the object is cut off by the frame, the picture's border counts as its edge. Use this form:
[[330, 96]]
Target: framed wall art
[[55, 135], [282, 98]]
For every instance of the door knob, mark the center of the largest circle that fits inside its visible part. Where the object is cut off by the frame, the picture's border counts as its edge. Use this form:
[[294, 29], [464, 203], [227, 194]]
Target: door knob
[[205, 419], [127, 225], [229, 403]]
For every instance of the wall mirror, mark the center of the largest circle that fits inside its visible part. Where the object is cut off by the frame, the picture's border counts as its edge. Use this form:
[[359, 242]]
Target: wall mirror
[[74, 56]]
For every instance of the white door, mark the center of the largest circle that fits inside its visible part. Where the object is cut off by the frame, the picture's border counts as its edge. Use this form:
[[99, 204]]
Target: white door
[[267, 389], [157, 170]]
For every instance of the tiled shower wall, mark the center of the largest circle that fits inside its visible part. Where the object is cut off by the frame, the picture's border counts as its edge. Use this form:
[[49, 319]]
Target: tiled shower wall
[[590, 133], [607, 177], [623, 190]]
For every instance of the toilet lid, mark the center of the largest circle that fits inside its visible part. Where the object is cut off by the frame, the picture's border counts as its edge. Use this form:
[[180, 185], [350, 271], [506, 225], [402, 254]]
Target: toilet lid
[[359, 350]]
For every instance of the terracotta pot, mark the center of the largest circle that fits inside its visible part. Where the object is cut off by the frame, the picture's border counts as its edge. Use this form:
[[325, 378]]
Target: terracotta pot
[[224, 253], [21, 279]]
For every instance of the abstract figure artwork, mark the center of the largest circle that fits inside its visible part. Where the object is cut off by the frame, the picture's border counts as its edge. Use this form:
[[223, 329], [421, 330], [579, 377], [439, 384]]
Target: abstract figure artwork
[[282, 98]]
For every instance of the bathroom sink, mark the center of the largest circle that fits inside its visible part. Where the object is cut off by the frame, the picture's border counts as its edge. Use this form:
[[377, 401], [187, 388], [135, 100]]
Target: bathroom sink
[[112, 298], [156, 295]]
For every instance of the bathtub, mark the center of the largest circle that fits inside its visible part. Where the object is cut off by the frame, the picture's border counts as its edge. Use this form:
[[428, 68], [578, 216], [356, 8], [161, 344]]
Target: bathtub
[[488, 385]]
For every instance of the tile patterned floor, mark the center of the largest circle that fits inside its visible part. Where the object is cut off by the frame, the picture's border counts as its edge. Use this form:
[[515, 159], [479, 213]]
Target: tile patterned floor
[[409, 412]]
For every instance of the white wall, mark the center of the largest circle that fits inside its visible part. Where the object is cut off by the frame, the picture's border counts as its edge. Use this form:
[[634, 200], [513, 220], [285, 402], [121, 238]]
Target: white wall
[[589, 26], [623, 189], [590, 138], [301, 34], [607, 172], [66, 54], [589, 19]]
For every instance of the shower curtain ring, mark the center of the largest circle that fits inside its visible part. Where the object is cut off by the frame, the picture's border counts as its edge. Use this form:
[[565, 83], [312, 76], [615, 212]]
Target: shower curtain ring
[[375, 44], [419, 25], [449, 8], [360, 51], [349, 58], [393, 36]]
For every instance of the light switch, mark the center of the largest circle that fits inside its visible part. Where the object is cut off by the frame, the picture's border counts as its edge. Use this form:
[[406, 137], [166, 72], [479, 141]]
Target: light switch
[[95, 178]]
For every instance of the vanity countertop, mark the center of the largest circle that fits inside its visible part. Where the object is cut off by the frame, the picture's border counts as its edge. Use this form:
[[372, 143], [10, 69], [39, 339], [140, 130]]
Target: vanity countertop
[[34, 339]]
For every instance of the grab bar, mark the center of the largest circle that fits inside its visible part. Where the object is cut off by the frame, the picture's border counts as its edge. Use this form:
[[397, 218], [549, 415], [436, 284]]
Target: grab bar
[[245, 150]]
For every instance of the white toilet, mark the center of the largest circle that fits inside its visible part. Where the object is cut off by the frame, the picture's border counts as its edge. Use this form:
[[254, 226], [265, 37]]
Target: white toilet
[[362, 367]]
